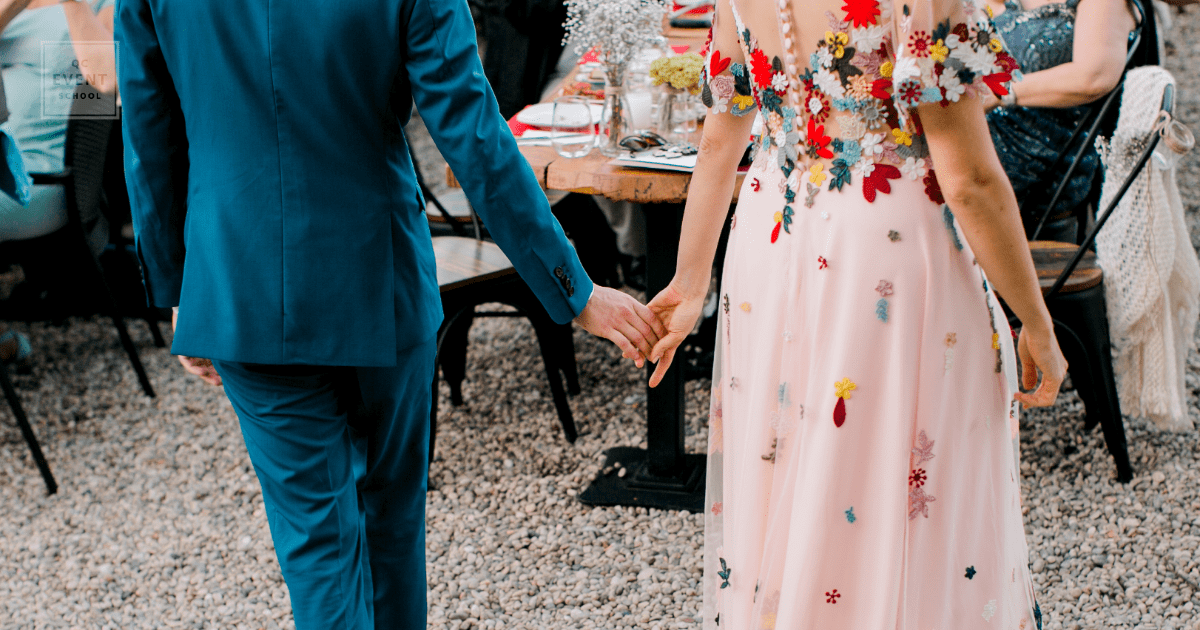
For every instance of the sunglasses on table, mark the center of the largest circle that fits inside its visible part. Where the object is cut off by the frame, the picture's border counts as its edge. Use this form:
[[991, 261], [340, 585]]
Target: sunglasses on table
[[642, 141]]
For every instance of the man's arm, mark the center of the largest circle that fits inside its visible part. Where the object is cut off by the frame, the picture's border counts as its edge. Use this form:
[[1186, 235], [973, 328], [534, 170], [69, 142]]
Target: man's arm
[[458, 107], [155, 152]]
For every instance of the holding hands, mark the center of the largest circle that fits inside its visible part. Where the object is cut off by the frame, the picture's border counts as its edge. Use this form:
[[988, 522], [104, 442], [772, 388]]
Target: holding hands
[[621, 319]]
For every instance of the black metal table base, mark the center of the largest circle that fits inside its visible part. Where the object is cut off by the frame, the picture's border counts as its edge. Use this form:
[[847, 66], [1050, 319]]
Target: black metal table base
[[638, 486]]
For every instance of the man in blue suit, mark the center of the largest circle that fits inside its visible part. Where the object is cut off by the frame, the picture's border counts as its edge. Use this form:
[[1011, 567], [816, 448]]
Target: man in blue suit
[[276, 206]]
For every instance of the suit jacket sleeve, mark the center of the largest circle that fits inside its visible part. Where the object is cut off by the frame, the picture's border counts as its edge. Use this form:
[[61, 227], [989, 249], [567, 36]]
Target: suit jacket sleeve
[[457, 105], [155, 152]]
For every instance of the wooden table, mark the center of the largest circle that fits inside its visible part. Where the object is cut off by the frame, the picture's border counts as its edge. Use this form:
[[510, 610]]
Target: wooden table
[[663, 475]]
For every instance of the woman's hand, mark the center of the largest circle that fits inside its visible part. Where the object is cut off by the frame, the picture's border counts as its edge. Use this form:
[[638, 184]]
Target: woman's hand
[[619, 318], [678, 313], [1039, 351]]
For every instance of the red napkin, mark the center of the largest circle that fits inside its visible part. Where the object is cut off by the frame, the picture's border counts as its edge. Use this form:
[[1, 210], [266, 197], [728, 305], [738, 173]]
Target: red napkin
[[518, 128], [680, 48], [701, 10]]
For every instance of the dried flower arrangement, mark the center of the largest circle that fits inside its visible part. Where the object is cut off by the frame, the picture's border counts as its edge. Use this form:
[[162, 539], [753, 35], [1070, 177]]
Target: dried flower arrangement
[[681, 72]]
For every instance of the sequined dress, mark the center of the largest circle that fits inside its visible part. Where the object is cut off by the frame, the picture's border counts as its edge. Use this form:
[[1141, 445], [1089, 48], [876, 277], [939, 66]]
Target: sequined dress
[[1029, 139], [862, 468]]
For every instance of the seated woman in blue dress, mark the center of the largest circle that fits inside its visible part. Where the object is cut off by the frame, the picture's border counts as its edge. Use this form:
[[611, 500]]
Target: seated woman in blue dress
[[39, 95], [1071, 53]]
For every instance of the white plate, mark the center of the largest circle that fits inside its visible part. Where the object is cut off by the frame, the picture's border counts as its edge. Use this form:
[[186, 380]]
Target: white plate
[[542, 115]]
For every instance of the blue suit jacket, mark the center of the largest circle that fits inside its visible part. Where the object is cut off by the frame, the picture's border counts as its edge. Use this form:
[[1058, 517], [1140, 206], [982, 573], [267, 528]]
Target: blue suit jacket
[[273, 196]]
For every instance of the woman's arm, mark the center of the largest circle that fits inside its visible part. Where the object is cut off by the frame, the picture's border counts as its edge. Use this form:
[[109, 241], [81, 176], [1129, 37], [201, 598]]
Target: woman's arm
[[98, 63], [977, 190], [1098, 60], [711, 189]]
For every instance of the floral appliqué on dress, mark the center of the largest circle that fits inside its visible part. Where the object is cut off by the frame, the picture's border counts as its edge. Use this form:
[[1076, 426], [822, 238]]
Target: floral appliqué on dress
[[864, 82]]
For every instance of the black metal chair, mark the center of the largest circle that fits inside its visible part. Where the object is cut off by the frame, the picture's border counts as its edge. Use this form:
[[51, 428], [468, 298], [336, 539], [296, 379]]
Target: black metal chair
[[1072, 282], [472, 272], [82, 179], [1073, 287]]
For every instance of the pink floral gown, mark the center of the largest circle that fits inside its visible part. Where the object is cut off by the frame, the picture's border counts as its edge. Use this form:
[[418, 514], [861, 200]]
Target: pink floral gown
[[862, 470]]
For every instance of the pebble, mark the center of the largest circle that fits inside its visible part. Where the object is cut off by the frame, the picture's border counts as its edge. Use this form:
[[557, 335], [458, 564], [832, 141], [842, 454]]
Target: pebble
[[159, 521]]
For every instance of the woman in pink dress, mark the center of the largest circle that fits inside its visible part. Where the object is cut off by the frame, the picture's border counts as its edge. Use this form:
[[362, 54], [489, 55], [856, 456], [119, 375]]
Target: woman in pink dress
[[862, 468]]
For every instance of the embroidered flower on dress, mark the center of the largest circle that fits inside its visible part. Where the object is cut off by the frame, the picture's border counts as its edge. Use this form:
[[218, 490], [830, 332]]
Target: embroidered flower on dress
[[919, 43], [818, 106], [761, 67], [822, 58], [913, 168], [837, 43], [831, 597], [850, 517], [872, 116], [917, 477], [868, 38], [815, 175], [989, 610], [860, 86], [842, 389], [717, 508], [939, 51], [893, 236], [884, 289], [918, 503], [872, 144], [970, 575], [951, 85], [900, 136], [923, 450], [779, 82], [829, 83]]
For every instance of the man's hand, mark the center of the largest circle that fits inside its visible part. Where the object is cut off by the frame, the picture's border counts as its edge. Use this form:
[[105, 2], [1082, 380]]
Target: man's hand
[[619, 318], [200, 367]]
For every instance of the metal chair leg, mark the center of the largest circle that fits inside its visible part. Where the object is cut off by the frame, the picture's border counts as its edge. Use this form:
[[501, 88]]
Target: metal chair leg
[[549, 337], [1084, 317], [114, 312], [27, 431], [155, 332], [453, 354]]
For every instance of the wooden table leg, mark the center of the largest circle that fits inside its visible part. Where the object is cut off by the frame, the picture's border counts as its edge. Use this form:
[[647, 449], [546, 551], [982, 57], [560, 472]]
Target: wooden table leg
[[663, 475]]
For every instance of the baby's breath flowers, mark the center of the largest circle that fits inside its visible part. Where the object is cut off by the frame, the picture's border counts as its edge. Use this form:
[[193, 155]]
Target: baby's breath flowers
[[617, 29]]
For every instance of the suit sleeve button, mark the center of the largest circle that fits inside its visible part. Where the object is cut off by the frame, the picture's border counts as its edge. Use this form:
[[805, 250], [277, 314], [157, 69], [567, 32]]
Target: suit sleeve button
[[558, 271]]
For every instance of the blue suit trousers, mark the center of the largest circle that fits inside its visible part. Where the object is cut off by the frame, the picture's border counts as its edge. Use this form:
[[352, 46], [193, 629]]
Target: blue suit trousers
[[342, 455]]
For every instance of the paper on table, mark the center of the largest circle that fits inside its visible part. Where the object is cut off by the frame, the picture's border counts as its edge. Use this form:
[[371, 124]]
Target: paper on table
[[647, 159]]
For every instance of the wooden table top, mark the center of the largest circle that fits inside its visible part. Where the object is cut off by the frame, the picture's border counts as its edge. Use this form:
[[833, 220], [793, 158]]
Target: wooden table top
[[594, 175]]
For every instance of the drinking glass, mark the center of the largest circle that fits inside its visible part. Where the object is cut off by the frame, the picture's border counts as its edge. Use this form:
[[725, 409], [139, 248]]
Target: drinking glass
[[572, 128]]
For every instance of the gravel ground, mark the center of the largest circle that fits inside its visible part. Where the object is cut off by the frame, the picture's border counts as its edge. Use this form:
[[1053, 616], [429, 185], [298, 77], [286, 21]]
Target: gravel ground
[[159, 519]]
